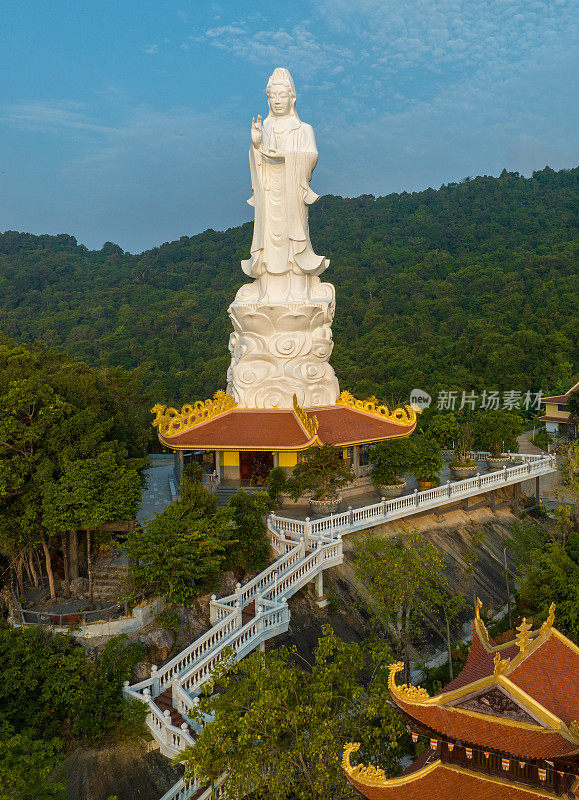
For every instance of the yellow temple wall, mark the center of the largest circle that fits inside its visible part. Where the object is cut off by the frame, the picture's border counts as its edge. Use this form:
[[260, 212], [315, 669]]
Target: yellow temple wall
[[230, 463], [287, 459]]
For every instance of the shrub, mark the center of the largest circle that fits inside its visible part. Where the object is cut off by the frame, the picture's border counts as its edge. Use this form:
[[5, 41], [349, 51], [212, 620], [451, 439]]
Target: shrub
[[250, 541], [427, 460], [444, 429], [390, 460], [276, 482], [322, 474], [497, 432]]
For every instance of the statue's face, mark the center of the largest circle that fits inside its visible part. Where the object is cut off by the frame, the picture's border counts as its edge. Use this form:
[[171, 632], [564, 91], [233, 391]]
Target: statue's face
[[279, 100]]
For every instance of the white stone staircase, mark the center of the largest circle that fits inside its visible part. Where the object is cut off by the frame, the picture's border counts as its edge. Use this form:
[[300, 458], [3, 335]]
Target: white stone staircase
[[258, 611]]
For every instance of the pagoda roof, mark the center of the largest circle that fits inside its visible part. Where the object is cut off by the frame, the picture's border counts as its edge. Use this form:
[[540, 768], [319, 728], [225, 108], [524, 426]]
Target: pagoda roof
[[519, 697], [219, 424], [428, 778]]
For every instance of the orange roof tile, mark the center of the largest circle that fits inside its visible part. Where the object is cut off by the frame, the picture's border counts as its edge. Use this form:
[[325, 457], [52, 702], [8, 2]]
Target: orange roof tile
[[344, 426], [448, 782], [550, 675], [243, 429], [488, 731], [547, 672], [280, 429]]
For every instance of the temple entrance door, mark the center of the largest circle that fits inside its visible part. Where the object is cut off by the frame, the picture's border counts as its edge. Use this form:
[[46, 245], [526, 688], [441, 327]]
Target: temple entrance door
[[254, 468]]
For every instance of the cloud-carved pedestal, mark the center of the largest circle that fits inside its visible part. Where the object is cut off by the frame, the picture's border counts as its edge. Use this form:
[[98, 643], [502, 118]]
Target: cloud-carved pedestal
[[281, 350]]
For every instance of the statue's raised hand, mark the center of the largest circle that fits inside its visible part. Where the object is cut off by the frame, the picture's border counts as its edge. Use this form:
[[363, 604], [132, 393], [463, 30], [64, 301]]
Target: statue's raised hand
[[256, 132]]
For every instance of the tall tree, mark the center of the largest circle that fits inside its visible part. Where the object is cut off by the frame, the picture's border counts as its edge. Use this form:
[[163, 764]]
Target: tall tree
[[282, 722], [403, 579]]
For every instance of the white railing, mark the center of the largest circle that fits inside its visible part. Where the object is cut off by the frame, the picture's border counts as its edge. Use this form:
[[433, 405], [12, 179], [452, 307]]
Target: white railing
[[306, 547], [183, 791], [416, 502]]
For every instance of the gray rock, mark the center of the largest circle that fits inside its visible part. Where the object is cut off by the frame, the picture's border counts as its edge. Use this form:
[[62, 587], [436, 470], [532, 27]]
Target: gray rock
[[141, 671], [79, 588]]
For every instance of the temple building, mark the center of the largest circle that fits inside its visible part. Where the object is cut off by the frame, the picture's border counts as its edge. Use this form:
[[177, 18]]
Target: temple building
[[282, 394], [507, 728], [557, 417]]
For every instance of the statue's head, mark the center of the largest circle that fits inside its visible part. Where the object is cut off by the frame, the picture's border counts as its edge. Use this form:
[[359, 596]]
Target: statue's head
[[281, 93]]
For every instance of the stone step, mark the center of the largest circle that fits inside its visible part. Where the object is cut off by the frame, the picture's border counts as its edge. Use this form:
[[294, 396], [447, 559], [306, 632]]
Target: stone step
[[164, 702]]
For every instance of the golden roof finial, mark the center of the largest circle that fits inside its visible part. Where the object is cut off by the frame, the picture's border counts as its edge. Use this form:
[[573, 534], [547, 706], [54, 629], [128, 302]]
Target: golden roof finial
[[501, 666], [170, 421], [309, 423], [574, 728], [523, 639], [402, 416], [548, 624]]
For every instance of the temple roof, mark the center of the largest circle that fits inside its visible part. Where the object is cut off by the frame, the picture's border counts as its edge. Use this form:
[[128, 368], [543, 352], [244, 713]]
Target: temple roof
[[561, 398], [430, 779], [519, 697], [219, 425]]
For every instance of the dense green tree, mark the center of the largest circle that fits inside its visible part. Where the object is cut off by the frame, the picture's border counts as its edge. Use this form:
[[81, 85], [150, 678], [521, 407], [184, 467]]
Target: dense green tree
[[282, 722], [390, 460], [51, 689], [322, 472], [403, 577], [70, 445], [29, 767], [471, 286], [444, 429], [553, 577], [497, 431], [181, 551], [250, 548]]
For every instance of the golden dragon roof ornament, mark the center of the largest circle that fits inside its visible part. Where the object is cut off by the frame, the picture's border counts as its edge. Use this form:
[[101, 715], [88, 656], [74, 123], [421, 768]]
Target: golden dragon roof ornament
[[169, 421], [370, 775], [405, 692], [309, 423], [400, 416]]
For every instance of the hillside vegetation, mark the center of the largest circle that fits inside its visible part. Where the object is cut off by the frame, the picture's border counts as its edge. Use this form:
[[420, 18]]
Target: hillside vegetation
[[470, 286]]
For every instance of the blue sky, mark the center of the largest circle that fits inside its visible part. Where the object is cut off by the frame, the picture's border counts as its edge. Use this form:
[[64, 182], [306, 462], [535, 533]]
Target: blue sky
[[129, 121]]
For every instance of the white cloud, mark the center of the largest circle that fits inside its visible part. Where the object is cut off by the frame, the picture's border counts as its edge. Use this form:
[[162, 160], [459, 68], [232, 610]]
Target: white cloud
[[53, 117], [296, 47]]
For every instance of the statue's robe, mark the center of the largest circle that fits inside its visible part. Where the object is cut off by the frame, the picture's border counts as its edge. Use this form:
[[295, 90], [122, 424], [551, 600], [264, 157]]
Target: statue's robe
[[280, 175]]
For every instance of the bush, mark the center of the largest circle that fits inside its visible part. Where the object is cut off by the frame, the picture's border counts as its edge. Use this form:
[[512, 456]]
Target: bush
[[390, 460], [444, 429], [276, 482], [182, 551], [56, 690], [249, 548], [541, 439], [192, 472], [198, 499], [497, 432], [427, 460], [322, 474]]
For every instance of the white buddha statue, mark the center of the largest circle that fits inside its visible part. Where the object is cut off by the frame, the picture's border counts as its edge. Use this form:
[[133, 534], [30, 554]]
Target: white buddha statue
[[282, 337], [282, 158]]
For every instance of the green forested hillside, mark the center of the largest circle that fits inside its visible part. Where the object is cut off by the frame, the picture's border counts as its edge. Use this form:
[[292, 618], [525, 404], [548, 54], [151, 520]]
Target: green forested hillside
[[470, 286]]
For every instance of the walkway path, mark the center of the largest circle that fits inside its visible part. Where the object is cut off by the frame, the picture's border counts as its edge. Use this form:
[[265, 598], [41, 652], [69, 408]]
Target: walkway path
[[550, 484], [156, 495]]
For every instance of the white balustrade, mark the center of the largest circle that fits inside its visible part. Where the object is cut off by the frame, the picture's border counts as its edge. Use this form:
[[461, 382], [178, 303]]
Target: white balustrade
[[400, 507], [307, 547]]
